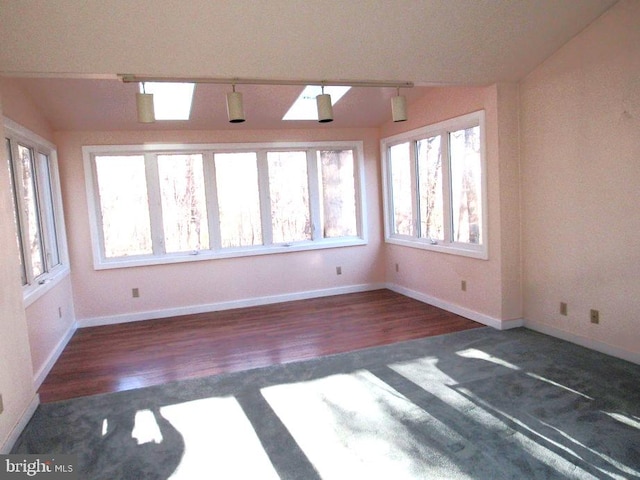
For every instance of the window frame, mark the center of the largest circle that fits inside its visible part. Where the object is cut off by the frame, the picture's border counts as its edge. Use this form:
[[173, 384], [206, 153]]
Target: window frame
[[216, 251], [48, 203], [443, 129]]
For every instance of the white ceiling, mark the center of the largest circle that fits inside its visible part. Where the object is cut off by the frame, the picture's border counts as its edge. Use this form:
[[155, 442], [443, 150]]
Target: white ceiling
[[71, 51]]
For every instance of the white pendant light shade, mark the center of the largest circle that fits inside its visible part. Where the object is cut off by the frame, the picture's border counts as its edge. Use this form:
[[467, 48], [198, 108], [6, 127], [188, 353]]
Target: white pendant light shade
[[325, 110], [235, 109], [399, 108], [146, 112]]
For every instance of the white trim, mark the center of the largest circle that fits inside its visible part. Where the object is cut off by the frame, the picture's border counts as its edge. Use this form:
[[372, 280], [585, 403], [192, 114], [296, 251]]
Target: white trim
[[37, 287], [53, 356], [229, 305], [590, 343], [100, 262], [55, 276], [443, 129], [20, 425], [457, 309], [27, 134]]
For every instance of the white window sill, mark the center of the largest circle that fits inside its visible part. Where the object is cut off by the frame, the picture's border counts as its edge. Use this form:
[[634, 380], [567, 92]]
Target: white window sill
[[31, 293], [124, 262], [461, 249]]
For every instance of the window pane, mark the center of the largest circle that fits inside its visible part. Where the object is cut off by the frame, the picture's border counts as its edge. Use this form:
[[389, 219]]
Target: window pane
[[184, 209], [400, 164], [124, 205], [238, 199], [14, 200], [338, 193], [31, 213], [47, 210], [430, 188], [289, 191], [466, 186]]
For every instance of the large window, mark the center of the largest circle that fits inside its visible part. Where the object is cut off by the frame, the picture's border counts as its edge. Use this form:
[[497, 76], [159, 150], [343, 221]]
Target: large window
[[37, 209], [435, 194], [170, 203]]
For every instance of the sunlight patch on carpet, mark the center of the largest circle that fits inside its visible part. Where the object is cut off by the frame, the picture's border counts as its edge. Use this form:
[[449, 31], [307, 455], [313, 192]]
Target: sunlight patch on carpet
[[486, 412], [145, 428], [220, 442], [357, 426]]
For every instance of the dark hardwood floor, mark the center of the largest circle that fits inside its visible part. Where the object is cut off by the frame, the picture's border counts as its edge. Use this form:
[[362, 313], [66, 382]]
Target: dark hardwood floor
[[126, 356]]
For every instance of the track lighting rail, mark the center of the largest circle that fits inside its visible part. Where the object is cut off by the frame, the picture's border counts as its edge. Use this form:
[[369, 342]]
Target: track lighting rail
[[131, 78]]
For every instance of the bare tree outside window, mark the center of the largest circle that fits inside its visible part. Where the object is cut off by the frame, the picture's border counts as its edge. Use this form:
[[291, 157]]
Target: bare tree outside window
[[338, 193], [14, 199], [159, 204], [47, 214], [289, 193], [402, 196], [238, 199], [184, 208], [430, 186], [124, 205], [434, 187], [465, 185], [30, 207]]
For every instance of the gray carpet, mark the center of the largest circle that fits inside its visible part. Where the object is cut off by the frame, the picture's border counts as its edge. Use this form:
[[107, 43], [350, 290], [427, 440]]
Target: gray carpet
[[481, 404]]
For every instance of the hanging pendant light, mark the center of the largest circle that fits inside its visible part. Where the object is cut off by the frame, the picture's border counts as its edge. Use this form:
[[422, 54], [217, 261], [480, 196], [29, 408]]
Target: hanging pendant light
[[325, 110], [399, 107], [235, 109], [144, 103]]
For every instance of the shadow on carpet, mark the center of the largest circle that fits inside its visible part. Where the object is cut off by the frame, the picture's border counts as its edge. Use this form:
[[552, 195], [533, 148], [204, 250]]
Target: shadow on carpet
[[477, 404]]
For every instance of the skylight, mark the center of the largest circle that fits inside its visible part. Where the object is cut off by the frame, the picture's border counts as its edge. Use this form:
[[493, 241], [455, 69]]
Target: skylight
[[305, 108], [171, 101]]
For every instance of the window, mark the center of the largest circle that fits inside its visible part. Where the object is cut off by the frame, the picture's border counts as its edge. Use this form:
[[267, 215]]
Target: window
[[37, 209], [339, 201], [154, 204], [122, 187], [184, 207], [289, 195], [238, 199], [435, 194]]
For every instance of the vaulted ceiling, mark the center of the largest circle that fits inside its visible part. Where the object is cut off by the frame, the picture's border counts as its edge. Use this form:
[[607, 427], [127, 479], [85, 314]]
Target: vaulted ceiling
[[67, 54]]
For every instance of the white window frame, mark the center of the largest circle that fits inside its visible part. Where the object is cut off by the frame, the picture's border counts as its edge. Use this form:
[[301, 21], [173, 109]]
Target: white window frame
[[36, 287], [101, 262], [480, 251]]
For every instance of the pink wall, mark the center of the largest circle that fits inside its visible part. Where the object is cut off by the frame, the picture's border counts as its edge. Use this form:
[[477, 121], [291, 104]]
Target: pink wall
[[50, 320], [167, 288], [47, 329], [580, 175], [439, 275], [20, 108]]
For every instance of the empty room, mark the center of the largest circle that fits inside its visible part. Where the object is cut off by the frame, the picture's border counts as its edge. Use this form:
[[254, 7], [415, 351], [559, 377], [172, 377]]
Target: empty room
[[320, 239]]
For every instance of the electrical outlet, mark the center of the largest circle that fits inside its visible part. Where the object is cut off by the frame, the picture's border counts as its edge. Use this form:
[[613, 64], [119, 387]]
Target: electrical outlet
[[338, 270], [135, 292], [595, 316], [563, 308], [397, 267], [463, 285]]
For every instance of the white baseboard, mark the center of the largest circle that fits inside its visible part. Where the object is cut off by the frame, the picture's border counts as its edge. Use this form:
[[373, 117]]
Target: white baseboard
[[597, 345], [53, 356], [457, 309], [219, 306], [17, 430]]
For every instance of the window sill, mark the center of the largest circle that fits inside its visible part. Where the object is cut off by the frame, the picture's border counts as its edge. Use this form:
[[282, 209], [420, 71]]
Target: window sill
[[138, 261], [31, 293], [463, 250]]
